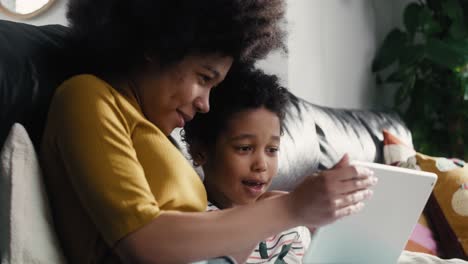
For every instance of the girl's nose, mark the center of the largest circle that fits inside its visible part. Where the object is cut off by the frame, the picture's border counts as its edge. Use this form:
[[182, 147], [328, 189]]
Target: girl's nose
[[260, 164]]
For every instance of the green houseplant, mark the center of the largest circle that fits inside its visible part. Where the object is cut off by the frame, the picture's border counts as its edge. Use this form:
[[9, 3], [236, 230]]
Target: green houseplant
[[428, 61]]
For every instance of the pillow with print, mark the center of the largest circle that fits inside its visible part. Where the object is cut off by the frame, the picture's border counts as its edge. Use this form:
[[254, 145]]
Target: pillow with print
[[441, 229], [400, 154]]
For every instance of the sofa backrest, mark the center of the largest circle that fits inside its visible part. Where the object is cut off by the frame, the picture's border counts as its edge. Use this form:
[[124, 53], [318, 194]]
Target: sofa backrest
[[33, 62], [317, 137]]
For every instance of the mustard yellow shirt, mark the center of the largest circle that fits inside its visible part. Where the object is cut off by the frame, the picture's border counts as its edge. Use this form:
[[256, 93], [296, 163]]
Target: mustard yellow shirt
[[108, 170]]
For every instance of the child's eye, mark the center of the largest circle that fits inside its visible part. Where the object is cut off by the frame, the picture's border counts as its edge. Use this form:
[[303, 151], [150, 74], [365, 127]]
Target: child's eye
[[243, 149], [272, 150]]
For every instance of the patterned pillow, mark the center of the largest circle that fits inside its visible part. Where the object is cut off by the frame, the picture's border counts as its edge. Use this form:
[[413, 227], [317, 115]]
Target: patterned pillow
[[451, 195], [399, 154], [395, 151], [447, 209]]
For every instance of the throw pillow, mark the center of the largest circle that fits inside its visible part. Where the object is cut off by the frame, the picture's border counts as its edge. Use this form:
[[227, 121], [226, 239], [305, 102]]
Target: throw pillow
[[451, 193], [397, 153], [27, 233], [446, 209]]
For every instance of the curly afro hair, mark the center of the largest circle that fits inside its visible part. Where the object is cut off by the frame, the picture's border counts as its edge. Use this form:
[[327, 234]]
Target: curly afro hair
[[118, 36], [245, 88]]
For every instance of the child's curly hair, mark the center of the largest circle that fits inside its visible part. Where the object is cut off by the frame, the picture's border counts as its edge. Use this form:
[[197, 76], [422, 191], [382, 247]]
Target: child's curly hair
[[117, 36], [244, 88]]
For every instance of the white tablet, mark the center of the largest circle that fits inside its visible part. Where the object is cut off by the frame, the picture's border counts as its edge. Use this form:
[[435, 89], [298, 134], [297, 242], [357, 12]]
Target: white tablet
[[377, 234]]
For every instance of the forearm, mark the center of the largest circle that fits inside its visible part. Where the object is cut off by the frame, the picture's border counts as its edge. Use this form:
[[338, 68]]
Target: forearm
[[176, 237]]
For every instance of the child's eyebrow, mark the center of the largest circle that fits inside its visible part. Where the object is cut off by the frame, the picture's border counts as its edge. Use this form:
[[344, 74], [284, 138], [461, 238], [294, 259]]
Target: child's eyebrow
[[250, 136], [242, 136], [275, 138]]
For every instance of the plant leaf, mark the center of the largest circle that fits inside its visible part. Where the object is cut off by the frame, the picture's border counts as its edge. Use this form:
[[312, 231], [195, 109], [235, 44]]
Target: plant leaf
[[411, 54], [458, 29], [453, 9], [405, 89], [395, 77], [390, 50], [398, 97], [465, 86], [428, 24], [444, 54], [410, 17], [459, 46]]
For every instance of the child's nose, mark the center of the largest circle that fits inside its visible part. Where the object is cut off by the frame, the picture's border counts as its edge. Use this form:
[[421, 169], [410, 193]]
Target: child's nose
[[260, 164]]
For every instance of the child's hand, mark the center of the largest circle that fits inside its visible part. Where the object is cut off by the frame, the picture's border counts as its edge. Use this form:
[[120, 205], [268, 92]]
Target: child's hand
[[272, 194], [332, 194]]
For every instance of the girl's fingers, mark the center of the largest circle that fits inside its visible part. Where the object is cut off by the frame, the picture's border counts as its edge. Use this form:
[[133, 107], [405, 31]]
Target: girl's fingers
[[347, 173], [349, 210], [356, 184], [353, 172], [353, 198]]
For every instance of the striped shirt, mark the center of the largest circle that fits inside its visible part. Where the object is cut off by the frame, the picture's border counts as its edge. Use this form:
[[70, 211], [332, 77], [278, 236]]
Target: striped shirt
[[286, 247]]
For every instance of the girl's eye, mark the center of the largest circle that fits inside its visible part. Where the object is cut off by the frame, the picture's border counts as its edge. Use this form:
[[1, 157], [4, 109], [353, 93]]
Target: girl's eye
[[273, 150], [243, 149]]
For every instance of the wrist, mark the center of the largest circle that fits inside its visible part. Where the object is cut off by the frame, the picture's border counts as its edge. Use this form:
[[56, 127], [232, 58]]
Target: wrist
[[290, 210]]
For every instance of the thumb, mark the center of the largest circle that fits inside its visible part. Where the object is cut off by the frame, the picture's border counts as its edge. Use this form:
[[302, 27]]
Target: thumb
[[344, 162]]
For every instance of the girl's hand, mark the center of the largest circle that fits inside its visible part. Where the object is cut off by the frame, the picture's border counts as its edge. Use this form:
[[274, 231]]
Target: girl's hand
[[272, 194], [332, 194]]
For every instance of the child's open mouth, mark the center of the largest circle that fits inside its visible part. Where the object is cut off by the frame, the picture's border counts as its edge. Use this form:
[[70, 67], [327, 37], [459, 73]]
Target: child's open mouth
[[254, 187]]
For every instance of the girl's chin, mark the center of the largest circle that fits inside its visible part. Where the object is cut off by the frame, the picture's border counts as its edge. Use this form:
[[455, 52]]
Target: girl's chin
[[245, 201]]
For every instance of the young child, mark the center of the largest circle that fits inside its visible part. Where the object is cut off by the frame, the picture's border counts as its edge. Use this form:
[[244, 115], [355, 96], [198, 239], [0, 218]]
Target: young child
[[237, 145]]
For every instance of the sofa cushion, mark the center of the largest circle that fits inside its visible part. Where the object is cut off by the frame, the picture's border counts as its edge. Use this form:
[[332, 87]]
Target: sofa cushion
[[27, 233], [451, 193], [33, 63], [398, 153], [446, 211]]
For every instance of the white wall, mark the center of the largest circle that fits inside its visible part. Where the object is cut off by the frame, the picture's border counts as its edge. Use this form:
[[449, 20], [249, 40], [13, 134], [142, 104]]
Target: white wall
[[331, 46], [54, 15]]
